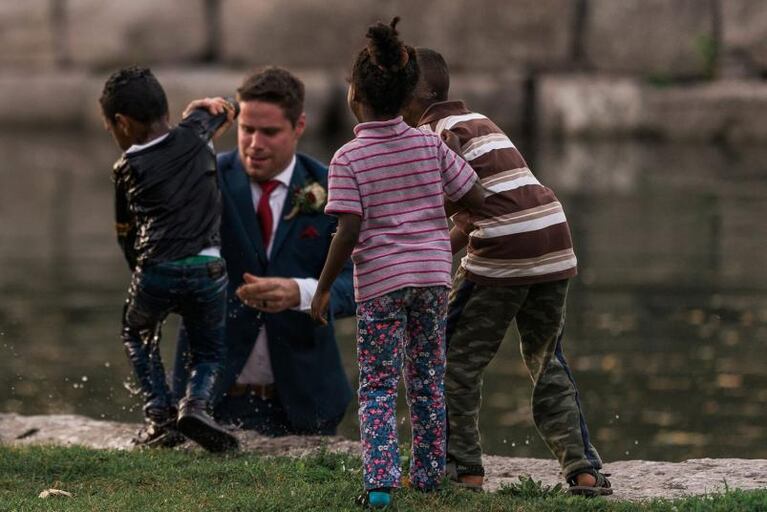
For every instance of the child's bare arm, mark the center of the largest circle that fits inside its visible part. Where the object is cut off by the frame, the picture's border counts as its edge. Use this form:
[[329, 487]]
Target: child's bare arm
[[341, 248], [475, 197], [452, 141], [458, 239]]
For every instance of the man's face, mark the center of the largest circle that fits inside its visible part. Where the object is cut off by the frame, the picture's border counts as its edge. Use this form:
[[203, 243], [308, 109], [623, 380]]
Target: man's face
[[266, 139]]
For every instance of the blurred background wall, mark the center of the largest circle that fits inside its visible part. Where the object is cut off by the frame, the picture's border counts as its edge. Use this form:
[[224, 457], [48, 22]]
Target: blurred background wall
[[669, 69]]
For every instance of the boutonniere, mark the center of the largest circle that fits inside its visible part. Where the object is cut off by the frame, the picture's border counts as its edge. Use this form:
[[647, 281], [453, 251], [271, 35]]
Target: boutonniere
[[310, 198]]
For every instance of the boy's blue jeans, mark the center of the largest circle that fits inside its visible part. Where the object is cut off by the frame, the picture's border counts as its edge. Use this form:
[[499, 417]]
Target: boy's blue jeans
[[197, 292]]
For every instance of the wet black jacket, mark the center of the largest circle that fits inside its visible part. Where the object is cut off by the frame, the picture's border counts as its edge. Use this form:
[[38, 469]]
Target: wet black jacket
[[167, 201]]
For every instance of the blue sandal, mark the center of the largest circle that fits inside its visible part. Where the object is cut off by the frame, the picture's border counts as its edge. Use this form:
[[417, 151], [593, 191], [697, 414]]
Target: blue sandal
[[375, 498]]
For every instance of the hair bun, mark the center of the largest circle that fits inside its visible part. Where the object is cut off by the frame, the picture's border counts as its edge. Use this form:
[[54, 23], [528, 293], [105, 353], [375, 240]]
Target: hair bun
[[384, 47]]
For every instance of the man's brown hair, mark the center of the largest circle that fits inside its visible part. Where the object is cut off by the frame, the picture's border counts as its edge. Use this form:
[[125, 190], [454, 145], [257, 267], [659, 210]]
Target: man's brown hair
[[275, 85]]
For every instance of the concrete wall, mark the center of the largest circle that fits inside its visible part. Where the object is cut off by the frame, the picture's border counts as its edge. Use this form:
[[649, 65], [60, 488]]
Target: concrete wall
[[559, 67]]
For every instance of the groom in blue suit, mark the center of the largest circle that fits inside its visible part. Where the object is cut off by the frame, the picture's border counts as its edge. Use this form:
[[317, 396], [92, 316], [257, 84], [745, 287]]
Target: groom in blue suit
[[282, 373]]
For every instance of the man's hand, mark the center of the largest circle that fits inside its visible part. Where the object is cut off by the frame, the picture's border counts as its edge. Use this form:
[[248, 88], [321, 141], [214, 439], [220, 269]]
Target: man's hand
[[320, 304], [214, 106], [269, 294]]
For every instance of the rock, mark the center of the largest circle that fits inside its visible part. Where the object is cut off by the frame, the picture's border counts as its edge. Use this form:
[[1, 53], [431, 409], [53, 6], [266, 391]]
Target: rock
[[42, 99], [584, 105], [598, 106], [103, 35], [502, 97], [501, 34], [26, 34], [301, 33], [276, 32], [183, 85], [632, 479], [722, 111], [744, 37], [665, 39]]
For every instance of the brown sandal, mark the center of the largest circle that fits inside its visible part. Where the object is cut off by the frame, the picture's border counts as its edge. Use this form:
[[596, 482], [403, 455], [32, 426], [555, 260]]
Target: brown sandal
[[469, 477], [602, 487]]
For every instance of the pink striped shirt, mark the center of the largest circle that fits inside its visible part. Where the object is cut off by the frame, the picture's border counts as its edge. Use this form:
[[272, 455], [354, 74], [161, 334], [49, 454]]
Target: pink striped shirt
[[394, 177]]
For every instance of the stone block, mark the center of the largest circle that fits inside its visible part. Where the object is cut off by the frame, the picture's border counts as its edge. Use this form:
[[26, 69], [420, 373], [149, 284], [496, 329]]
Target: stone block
[[665, 39], [300, 33], [109, 34], [596, 106], [581, 105], [744, 37], [26, 34], [723, 111], [42, 99], [501, 97], [183, 85], [486, 34], [498, 34]]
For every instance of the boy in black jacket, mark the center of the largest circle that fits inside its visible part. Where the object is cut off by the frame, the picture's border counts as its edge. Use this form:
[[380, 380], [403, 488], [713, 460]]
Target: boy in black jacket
[[168, 210]]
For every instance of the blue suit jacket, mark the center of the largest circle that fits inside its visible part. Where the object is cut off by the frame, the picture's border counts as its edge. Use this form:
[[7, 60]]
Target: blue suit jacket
[[311, 383]]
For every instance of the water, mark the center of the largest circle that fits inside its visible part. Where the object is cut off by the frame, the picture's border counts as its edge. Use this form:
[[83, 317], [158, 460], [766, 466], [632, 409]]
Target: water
[[667, 321]]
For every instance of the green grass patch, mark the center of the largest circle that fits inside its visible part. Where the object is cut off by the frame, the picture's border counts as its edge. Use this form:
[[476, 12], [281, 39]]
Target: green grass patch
[[175, 480]]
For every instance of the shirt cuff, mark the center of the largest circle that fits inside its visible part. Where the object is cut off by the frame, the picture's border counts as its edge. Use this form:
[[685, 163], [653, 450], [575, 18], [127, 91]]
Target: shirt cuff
[[306, 287]]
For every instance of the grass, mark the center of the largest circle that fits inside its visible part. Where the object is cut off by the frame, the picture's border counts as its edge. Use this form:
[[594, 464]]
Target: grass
[[175, 480]]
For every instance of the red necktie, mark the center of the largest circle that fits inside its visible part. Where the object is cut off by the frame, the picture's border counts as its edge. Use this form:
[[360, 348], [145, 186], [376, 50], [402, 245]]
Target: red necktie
[[264, 211]]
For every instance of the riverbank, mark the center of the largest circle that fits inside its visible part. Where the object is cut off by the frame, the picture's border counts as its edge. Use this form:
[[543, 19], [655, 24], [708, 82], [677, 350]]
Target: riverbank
[[176, 480], [634, 480]]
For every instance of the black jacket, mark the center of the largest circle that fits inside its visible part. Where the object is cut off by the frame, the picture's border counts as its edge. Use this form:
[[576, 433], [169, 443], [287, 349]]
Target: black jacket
[[167, 201]]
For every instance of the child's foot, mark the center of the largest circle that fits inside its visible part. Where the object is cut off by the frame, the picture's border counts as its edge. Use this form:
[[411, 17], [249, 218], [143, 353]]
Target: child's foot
[[376, 498], [470, 477], [590, 483], [196, 424], [159, 435], [379, 498]]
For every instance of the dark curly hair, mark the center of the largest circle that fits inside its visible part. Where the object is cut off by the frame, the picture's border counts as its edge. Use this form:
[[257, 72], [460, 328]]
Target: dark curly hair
[[386, 71], [135, 92], [275, 85]]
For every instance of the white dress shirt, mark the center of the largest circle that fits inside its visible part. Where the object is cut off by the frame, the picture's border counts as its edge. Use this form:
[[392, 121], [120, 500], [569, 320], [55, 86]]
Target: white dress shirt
[[258, 367]]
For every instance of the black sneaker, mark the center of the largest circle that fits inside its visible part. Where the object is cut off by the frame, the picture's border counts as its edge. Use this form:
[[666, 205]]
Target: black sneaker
[[196, 424], [158, 435]]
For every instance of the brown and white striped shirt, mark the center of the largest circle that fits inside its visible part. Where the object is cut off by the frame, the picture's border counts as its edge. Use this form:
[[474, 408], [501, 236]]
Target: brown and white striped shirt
[[520, 236]]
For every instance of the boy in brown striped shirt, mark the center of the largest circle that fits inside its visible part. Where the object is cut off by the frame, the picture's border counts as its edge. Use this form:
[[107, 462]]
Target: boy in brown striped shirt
[[518, 263]]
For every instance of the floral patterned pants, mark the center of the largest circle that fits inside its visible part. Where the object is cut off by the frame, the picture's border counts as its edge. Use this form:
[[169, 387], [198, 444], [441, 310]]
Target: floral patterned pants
[[406, 328]]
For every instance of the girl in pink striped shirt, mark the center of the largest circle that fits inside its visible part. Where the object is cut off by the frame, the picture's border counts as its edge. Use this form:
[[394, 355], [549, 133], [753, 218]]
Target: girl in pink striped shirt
[[387, 187]]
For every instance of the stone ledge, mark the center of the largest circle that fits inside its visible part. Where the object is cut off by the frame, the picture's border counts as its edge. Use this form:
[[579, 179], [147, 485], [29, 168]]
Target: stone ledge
[[601, 106], [632, 479], [588, 106], [70, 98]]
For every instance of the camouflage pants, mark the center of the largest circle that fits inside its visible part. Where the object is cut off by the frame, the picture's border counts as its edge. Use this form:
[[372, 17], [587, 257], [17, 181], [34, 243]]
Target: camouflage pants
[[478, 317]]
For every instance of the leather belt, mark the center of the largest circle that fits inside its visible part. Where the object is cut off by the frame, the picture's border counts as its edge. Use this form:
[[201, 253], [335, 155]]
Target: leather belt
[[262, 391]]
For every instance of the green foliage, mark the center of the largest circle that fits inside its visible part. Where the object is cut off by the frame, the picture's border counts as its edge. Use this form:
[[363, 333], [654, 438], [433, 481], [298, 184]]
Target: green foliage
[[160, 481], [708, 52], [527, 488]]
